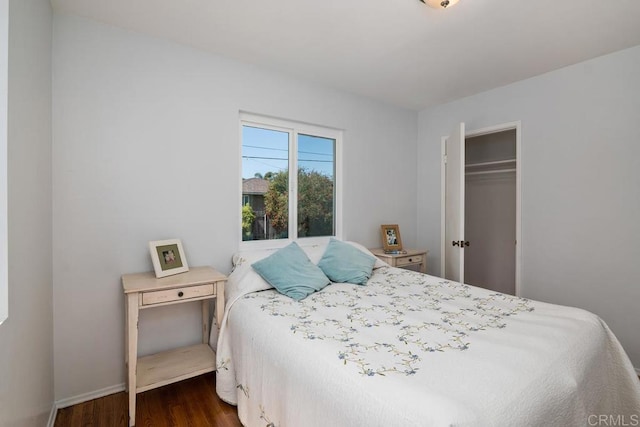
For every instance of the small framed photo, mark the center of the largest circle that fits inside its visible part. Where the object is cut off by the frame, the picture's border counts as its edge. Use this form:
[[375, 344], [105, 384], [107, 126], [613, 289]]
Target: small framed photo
[[168, 257], [391, 240]]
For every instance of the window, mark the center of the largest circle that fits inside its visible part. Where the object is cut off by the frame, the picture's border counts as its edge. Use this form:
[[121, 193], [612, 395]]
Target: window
[[283, 206]]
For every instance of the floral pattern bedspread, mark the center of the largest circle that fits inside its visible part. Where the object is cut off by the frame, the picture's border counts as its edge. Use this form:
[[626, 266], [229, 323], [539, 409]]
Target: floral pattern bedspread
[[390, 325], [412, 349]]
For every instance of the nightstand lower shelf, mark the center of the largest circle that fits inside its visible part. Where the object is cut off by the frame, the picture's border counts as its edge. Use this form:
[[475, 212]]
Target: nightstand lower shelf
[[174, 365]]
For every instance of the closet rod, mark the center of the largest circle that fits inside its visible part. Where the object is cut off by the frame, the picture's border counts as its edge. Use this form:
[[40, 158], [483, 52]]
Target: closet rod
[[497, 162], [490, 172]]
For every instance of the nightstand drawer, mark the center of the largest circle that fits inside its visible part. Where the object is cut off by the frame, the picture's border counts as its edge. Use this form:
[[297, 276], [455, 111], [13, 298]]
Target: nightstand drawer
[[177, 294], [413, 259]]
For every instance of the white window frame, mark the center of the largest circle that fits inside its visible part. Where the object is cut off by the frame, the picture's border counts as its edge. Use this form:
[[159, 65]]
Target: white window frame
[[4, 105], [294, 129]]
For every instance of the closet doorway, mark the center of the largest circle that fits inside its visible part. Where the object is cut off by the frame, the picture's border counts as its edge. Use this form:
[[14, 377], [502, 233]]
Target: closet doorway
[[481, 207]]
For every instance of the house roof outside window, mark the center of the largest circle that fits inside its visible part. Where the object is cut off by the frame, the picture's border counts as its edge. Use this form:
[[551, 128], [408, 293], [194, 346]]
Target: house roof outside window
[[257, 186]]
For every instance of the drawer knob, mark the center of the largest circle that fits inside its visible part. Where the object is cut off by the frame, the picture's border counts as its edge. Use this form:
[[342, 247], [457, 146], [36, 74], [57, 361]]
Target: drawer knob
[[410, 260], [180, 294]]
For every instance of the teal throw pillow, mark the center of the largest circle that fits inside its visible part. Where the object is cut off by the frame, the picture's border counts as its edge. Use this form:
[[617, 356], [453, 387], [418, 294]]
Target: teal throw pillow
[[343, 263], [290, 271]]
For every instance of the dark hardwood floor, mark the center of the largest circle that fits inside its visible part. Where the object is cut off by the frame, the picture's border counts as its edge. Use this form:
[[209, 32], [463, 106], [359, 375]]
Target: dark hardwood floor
[[189, 403]]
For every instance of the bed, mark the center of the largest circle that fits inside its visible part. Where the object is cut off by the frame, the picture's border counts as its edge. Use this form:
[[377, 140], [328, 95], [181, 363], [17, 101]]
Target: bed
[[409, 349]]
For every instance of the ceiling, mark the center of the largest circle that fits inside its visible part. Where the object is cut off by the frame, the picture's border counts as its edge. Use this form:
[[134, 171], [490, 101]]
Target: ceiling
[[396, 51]]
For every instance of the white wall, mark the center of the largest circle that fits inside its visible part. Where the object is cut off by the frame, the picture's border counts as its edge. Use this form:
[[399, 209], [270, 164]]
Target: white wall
[[580, 177], [26, 337], [147, 147]]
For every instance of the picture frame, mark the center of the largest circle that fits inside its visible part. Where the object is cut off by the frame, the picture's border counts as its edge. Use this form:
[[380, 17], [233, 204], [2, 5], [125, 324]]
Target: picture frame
[[168, 257], [391, 240]]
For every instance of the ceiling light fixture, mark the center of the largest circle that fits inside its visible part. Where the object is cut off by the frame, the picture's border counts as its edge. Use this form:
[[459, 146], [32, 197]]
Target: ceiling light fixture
[[439, 4]]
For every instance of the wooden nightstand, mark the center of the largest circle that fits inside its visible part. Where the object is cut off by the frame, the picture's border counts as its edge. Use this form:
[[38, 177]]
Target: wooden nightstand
[[142, 291], [412, 257]]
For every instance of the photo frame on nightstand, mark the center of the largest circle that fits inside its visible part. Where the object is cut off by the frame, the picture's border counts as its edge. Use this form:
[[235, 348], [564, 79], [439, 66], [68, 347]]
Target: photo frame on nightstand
[[391, 240], [168, 257]]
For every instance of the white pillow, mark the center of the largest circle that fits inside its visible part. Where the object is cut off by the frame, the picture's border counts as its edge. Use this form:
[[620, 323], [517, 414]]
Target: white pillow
[[243, 279], [313, 251]]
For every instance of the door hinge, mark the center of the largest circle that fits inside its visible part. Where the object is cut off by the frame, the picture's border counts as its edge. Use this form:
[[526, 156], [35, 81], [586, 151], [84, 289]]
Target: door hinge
[[444, 159], [461, 243]]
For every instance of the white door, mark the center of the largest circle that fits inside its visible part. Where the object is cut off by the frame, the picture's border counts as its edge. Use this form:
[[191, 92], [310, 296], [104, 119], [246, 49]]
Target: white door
[[454, 206]]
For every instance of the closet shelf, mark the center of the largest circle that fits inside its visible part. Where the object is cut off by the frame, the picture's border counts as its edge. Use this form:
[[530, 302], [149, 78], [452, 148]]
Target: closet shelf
[[490, 172], [494, 163]]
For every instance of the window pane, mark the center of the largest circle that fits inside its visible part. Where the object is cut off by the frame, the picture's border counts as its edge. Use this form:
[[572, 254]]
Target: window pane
[[316, 183], [265, 184]]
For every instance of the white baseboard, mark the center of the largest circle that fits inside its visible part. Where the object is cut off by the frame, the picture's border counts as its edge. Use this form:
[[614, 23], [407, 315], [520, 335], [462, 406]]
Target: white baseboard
[[64, 403], [52, 415]]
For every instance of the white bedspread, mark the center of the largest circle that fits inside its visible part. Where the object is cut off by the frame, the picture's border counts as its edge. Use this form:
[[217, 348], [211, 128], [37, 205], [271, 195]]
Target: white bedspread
[[414, 350]]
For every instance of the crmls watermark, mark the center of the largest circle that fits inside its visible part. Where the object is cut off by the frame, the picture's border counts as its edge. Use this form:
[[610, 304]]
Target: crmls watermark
[[603, 420]]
